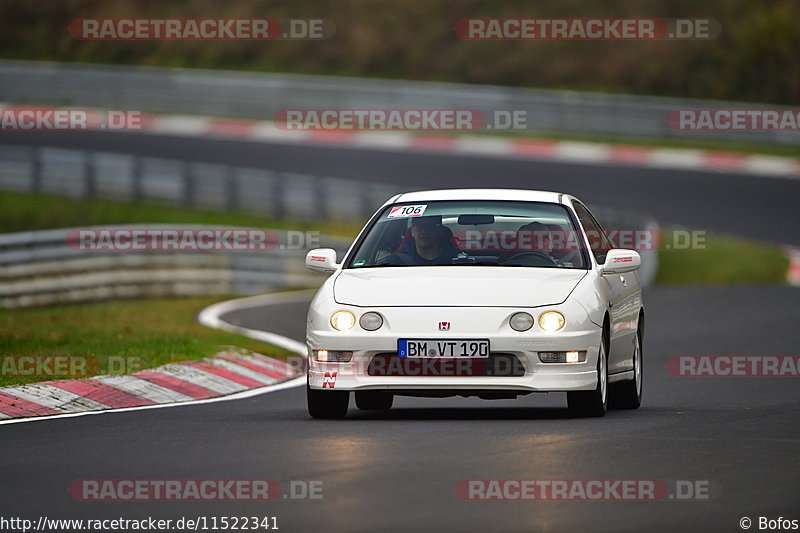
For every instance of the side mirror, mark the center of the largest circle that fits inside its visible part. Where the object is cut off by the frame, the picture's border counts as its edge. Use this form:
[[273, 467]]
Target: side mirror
[[619, 261], [322, 260]]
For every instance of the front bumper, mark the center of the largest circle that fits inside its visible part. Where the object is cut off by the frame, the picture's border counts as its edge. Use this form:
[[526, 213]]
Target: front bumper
[[537, 376]]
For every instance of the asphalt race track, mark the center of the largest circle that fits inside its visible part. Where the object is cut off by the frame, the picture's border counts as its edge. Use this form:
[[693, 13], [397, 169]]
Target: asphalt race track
[[761, 208], [397, 471]]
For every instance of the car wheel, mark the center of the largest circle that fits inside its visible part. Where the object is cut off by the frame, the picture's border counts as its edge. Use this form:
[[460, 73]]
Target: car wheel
[[374, 400], [595, 402], [628, 394], [327, 403]]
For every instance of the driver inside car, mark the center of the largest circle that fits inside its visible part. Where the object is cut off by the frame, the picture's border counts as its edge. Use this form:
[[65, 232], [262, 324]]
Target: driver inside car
[[533, 243], [427, 243]]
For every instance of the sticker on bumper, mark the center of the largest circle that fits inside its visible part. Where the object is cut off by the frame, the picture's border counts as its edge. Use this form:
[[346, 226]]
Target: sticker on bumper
[[329, 380]]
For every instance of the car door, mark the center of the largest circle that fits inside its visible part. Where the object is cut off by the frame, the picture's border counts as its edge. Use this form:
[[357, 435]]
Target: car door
[[626, 312], [619, 289]]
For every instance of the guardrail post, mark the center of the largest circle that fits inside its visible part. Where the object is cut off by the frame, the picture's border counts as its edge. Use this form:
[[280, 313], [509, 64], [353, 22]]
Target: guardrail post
[[366, 204], [320, 201], [231, 189], [279, 194], [90, 176], [136, 179], [188, 185], [36, 170]]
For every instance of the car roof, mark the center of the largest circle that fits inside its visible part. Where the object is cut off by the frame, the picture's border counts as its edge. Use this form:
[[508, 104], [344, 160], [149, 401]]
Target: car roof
[[523, 195]]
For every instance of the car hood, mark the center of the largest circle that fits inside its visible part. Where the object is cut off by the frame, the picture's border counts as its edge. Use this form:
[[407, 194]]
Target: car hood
[[463, 286]]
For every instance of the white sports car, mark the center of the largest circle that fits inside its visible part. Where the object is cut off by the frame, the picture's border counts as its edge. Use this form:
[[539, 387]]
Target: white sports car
[[492, 293]]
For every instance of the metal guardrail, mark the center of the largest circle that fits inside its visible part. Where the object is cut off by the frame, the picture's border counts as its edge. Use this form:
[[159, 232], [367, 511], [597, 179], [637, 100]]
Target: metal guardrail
[[29, 257], [123, 177], [260, 95], [41, 268]]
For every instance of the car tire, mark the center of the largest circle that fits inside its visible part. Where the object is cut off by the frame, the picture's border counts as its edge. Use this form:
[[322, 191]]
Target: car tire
[[628, 394], [593, 403], [327, 403], [374, 400]]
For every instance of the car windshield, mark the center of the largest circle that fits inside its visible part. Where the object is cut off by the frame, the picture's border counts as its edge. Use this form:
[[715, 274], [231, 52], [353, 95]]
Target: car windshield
[[472, 233]]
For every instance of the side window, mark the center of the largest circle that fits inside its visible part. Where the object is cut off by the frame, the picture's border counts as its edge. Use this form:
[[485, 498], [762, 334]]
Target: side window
[[598, 241]]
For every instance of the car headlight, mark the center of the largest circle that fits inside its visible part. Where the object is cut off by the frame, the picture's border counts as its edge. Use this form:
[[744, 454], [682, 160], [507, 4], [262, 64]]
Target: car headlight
[[343, 320], [371, 321], [521, 321], [551, 321]]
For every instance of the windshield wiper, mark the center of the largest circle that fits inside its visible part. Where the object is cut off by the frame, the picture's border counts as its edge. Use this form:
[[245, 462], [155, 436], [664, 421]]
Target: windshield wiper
[[371, 266], [532, 266]]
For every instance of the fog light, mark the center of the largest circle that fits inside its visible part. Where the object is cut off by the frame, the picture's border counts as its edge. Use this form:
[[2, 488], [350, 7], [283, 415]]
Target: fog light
[[551, 321], [371, 321], [562, 357], [343, 320], [332, 356], [521, 321]]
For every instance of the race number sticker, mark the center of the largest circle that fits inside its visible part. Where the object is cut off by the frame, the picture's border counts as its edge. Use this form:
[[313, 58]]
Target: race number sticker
[[407, 211]]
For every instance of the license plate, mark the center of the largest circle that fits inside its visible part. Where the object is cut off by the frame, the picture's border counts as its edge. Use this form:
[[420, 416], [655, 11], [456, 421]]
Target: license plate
[[455, 348]]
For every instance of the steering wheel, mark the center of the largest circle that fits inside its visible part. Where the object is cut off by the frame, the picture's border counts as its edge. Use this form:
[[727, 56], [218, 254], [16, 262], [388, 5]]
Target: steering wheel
[[540, 255], [569, 256], [397, 259]]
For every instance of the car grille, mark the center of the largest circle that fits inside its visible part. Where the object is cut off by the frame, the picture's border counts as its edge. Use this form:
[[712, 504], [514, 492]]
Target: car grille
[[496, 365]]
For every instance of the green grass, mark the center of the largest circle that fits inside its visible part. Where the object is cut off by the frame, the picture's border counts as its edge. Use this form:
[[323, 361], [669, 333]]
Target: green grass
[[724, 260], [144, 333], [26, 211]]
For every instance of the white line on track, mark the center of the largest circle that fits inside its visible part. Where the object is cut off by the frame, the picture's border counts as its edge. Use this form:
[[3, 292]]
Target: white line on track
[[210, 317]]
